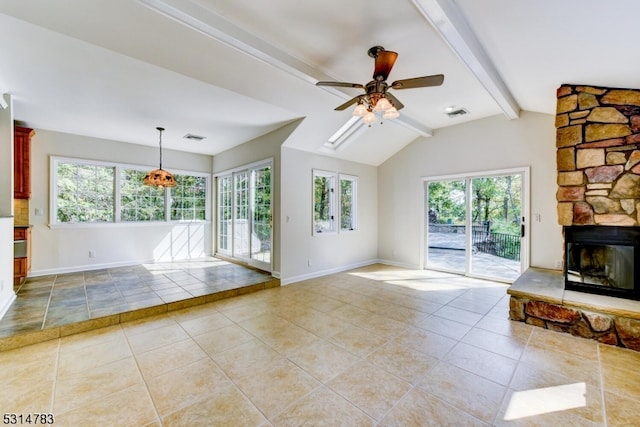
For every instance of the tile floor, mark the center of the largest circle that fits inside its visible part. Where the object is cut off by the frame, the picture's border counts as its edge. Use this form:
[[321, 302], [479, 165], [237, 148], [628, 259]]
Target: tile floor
[[49, 302], [376, 346]]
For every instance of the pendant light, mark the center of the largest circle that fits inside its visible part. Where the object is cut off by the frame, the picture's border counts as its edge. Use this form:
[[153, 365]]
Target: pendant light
[[160, 177]]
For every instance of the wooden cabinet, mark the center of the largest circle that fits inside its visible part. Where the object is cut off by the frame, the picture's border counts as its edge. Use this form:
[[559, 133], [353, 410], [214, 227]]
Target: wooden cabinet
[[21, 159], [22, 262]]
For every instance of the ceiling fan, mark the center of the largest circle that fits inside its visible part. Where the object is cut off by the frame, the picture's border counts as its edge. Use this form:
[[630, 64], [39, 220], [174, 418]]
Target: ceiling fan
[[376, 97]]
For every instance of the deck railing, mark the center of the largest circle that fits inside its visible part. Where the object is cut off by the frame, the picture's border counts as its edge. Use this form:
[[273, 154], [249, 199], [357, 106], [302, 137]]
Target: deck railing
[[498, 244]]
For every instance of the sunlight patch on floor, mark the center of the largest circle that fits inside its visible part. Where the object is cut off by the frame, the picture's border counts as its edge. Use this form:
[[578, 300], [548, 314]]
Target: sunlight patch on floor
[[545, 400]]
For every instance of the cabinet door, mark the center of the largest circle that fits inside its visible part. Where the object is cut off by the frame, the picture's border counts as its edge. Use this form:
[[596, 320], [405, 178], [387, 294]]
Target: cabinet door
[[21, 158]]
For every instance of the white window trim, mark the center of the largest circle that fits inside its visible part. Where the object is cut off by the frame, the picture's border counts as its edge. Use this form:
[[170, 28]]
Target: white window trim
[[53, 223], [332, 202], [354, 207]]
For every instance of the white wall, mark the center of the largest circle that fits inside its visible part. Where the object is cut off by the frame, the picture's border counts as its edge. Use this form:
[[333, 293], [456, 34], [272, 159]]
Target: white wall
[[482, 145], [6, 206], [67, 248], [328, 252]]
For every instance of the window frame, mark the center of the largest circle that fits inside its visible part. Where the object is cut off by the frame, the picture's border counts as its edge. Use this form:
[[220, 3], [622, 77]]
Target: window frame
[[332, 176], [354, 202], [54, 161]]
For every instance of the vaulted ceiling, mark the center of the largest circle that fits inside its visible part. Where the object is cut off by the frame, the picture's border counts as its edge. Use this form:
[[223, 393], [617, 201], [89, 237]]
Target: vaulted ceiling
[[233, 70]]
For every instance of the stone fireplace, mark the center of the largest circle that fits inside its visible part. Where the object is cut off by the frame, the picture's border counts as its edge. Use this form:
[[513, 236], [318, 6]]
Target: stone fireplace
[[598, 195]]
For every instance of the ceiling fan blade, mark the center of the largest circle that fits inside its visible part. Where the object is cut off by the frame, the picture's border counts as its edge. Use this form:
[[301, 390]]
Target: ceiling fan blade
[[349, 102], [426, 81], [396, 103], [384, 63], [341, 84]]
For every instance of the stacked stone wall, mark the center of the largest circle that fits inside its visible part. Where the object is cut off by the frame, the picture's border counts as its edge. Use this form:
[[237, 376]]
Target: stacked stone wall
[[598, 155], [607, 329]]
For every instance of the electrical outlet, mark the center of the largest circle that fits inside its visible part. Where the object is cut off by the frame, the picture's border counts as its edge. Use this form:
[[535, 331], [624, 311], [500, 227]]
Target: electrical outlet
[[92, 254], [559, 263], [308, 263]]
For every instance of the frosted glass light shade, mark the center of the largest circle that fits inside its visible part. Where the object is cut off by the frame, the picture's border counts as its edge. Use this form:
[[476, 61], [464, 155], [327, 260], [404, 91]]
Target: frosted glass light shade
[[391, 113], [369, 118], [382, 105], [360, 110]]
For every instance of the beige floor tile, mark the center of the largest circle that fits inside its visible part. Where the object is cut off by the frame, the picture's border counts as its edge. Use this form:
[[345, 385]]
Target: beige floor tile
[[204, 324], [370, 388], [289, 339], [92, 356], [383, 326], [622, 381], [227, 407], [621, 411], [506, 327], [75, 390], [358, 341], [264, 324], [406, 363], [324, 303], [562, 363], [489, 365], [544, 338], [446, 327], [426, 342], [496, 343], [459, 315], [321, 324], [278, 387], [147, 324], [156, 338], [247, 359], [164, 359], [223, 339], [537, 411], [28, 394], [528, 379], [113, 334], [323, 360], [186, 385], [244, 312], [193, 312], [616, 356], [421, 409], [466, 391], [323, 408], [129, 407]]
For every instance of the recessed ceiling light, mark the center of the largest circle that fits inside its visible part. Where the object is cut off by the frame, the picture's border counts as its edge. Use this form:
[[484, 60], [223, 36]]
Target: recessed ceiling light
[[192, 137]]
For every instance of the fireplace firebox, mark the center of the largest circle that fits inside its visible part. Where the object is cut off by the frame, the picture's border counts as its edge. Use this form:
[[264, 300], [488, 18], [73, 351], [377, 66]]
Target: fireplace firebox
[[602, 260]]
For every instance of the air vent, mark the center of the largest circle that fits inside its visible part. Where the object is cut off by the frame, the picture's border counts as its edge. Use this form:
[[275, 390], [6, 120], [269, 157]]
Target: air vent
[[192, 137], [457, 112]]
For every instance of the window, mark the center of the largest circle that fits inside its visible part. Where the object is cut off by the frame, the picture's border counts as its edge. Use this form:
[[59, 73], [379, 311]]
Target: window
[[84, 193], [348, 197], [96, 192], [189, 198], [139, 202], [323, 202]]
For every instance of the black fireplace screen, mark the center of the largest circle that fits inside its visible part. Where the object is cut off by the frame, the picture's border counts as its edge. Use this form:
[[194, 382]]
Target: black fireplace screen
[[601, 260]]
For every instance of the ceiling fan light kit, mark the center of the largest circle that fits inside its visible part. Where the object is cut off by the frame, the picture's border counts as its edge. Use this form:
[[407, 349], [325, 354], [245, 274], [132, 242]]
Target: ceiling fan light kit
[[376, 98]]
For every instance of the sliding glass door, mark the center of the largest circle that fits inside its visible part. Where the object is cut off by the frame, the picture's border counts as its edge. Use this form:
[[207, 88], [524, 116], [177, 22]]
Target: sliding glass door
[[244, 215], [475, 224]]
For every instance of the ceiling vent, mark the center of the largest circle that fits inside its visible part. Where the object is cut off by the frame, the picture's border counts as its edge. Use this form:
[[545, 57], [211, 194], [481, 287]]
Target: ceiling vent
[[192, 137], [458, 112]]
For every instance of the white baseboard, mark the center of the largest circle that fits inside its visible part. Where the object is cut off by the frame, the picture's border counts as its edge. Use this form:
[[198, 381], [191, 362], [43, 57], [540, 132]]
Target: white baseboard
[[7, 305], [321, 273]]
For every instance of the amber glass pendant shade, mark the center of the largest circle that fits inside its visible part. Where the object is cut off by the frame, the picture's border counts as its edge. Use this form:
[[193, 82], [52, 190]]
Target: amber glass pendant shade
[[160, 177]]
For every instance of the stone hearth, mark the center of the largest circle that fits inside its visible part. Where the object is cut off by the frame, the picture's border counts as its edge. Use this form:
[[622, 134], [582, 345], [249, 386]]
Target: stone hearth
[[538, 298]]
